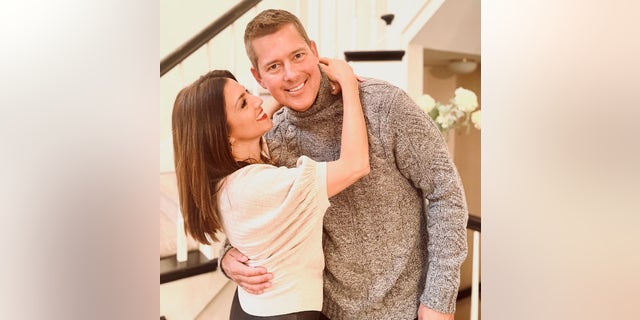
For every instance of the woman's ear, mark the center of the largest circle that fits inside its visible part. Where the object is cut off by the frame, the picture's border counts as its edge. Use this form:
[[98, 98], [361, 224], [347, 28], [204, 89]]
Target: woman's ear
[[232, 140]]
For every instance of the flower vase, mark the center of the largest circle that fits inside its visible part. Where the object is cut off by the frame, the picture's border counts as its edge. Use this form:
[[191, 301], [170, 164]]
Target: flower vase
[[450, 138]]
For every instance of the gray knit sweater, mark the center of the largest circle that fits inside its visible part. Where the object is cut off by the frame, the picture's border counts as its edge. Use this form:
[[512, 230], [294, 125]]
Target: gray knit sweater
[[397, 237]]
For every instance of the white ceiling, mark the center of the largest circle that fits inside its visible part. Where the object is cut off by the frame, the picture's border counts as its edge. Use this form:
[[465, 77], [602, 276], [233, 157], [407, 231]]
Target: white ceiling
[[452, 33]]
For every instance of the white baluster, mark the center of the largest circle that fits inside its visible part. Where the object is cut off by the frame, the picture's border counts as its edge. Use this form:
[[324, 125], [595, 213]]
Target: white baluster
[[475, 277], [181, 240], [326, 29], [297, 10], [181, 71], [373, 26], [354, 27], [313, 22], [208, 47], [207, 251], [233, 46]]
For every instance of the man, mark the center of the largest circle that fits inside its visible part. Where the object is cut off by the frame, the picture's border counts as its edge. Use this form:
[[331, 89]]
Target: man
[[394, 241]]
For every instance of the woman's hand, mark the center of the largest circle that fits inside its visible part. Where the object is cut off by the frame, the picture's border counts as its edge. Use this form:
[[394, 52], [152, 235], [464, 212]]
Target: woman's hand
[[338, 72], [271, 106]]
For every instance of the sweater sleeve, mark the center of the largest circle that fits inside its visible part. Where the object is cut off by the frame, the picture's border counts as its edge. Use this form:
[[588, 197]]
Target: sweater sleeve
[[421, 155], [266, 202]]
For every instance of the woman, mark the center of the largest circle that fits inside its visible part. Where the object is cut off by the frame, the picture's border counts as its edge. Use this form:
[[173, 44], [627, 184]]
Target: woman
[[227, 182]]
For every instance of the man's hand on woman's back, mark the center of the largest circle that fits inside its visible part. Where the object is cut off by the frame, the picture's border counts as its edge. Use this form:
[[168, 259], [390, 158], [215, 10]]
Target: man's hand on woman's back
[[252, 279]]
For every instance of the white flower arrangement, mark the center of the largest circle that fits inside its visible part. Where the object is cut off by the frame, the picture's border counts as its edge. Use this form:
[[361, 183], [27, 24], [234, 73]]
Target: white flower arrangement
[[460, 112]]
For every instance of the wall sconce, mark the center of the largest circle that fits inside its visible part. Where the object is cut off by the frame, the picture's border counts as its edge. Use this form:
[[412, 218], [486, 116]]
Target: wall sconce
[[463, 66]]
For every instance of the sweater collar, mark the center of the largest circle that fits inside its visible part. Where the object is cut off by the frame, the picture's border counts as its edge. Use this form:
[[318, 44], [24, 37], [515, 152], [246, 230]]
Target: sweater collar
[[324, 99]]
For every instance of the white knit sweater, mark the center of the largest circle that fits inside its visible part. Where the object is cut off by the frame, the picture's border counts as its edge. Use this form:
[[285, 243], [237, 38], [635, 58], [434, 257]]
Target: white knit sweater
[[274, 216]]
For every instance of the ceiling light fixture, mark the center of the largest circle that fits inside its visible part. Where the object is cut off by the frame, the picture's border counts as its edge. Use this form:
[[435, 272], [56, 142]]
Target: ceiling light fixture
[[463, 66]]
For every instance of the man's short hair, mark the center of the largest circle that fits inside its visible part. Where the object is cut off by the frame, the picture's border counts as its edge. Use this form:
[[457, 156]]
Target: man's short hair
[[268, 22]]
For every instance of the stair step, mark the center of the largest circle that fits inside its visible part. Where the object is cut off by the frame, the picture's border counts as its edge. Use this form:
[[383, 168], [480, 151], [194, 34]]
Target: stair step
[[197, 263]]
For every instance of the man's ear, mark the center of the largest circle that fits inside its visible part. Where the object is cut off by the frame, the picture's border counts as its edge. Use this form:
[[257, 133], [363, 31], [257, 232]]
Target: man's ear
[[256, 75], [314, 49]]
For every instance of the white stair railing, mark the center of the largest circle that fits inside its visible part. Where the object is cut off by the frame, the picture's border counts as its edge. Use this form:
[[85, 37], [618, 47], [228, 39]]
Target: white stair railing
[[475, 277], [181, 239]]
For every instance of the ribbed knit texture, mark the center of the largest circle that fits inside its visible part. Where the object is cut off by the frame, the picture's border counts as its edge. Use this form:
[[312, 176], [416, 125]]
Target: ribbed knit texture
[[397, 237], [274, 216]]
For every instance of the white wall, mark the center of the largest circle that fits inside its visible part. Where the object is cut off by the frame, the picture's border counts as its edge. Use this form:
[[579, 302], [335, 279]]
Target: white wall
[[336, 26]]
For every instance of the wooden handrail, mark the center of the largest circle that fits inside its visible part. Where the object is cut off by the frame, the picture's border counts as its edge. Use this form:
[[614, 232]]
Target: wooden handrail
[[474, 223], [464, 293], [197, 41]]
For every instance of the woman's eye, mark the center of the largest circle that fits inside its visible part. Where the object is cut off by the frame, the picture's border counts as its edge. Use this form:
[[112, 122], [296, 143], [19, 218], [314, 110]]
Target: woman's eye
[[244, 104]]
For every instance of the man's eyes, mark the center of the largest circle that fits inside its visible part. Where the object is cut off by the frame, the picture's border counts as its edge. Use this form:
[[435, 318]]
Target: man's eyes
[[276, 66]]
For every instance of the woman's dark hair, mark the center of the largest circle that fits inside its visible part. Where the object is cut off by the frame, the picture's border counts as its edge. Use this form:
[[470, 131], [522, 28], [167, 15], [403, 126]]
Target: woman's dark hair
[[202, 153]]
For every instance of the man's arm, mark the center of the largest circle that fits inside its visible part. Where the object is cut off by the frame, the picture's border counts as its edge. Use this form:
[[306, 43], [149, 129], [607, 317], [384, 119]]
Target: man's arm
[[425, 313], [422, 157]]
